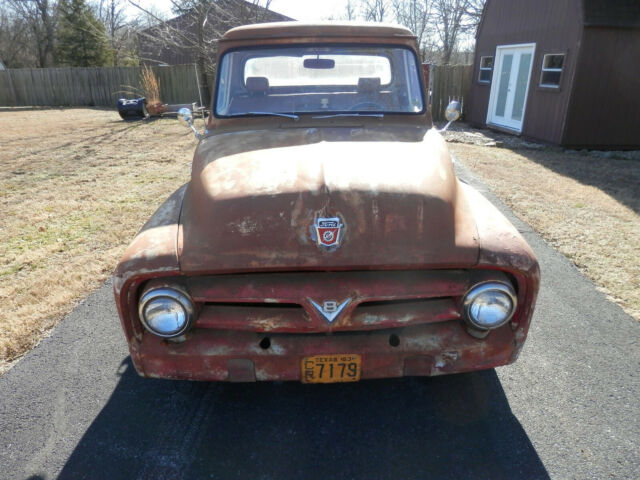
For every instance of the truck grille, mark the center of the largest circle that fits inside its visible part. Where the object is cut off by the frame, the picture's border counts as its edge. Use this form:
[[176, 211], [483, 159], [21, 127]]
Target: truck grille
[[281, 302]]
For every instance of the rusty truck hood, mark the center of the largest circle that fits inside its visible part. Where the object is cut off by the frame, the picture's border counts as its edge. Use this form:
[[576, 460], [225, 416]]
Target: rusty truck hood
[[254, 197]]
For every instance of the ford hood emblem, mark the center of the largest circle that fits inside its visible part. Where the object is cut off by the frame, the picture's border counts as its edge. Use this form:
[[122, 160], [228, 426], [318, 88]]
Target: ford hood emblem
[[327, 232]]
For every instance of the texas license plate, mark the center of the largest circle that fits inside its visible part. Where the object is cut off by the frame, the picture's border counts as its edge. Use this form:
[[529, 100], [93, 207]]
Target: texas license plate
[[331, 368]]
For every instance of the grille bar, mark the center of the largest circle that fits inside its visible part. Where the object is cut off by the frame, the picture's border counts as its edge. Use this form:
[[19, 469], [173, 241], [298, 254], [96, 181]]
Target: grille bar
[[281, 302], [400, 314], [360, 286], [259, 318], [255, 318]]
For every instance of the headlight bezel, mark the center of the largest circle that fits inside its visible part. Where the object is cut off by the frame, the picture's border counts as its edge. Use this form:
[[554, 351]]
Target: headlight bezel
[[482, 288], [182, 298]]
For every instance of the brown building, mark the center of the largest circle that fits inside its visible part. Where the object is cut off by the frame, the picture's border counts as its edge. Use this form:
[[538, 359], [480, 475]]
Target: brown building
[[562, 72], [176, 41]]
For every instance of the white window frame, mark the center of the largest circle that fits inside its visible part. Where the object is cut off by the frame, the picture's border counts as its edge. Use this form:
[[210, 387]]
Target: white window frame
[[543, 69], [486, 69]]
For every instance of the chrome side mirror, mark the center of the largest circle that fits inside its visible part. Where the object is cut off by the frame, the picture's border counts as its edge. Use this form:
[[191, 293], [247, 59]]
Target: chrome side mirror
[[185, 115], [452, 113]]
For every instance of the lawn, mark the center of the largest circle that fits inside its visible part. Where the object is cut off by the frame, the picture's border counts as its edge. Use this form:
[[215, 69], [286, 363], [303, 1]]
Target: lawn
[[585, 206], [75, 187], [77, 184]]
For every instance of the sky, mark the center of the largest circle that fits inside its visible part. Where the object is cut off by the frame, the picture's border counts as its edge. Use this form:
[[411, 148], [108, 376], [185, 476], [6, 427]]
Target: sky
[[305, 10], [309, 10]]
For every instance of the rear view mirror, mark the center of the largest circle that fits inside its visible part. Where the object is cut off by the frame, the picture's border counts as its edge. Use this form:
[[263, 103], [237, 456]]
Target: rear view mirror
[[319, 63]]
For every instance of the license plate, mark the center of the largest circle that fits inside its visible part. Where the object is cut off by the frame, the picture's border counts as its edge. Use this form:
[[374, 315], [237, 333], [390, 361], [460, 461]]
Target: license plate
[[331, 368]]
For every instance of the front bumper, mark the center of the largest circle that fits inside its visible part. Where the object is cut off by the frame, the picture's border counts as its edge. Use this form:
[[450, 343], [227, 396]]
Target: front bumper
[[225, 355]]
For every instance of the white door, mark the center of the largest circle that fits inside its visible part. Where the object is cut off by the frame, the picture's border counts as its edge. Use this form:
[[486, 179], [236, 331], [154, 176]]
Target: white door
[[510, 85]]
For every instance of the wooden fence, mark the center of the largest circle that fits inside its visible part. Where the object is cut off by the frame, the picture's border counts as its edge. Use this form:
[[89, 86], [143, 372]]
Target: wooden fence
[[92, 86], [448, 82], [178, 84]]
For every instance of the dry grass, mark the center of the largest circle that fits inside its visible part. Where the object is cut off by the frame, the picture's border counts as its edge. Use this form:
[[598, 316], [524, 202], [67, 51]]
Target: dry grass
[[75, 186], [150, 85], [586, 207]]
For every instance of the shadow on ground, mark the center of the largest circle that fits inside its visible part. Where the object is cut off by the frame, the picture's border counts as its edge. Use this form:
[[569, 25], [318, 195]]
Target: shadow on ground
[[456, 426], [616, 177], [615, 173]]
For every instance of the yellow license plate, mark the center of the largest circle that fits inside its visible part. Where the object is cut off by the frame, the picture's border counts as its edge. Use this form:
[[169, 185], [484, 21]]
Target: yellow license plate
[[331, 368]]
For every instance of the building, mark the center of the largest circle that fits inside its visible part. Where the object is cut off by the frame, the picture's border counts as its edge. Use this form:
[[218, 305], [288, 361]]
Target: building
[[561, 72], [175, 41]]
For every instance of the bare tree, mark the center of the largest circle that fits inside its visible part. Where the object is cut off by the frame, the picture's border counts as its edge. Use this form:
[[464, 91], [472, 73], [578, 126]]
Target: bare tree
[[149, 16], [474, 12], [417, 15], [350, 13], [119, 29], [198, 26], [375, 10], [441, 26], [453, 19], [41, 18], [15, 40]]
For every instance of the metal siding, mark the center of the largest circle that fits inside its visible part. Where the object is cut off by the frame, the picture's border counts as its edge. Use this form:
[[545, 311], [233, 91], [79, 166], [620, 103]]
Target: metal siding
[[612, 13], [554, 27], [605, 106]]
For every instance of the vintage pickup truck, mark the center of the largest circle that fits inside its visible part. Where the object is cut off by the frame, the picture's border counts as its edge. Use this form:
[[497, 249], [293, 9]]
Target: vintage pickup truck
[[323, 236]]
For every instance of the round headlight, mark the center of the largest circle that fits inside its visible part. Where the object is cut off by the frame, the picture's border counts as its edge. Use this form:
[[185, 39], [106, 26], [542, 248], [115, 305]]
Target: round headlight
[[490, 305], [166, 312]]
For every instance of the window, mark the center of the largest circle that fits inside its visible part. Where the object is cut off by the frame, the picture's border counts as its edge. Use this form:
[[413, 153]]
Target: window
[[486, 68], [328, 79], [347, 69], [552, 70]]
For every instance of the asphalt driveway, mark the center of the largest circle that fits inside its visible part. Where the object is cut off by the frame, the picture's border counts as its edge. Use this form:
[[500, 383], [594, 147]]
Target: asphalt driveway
[[74, 407]]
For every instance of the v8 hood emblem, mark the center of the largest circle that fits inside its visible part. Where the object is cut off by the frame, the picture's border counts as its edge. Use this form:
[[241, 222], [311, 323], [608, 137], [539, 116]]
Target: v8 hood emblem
[[330, 309]]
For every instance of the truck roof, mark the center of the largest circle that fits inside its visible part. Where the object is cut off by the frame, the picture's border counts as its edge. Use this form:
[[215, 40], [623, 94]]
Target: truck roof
[[316, 29]]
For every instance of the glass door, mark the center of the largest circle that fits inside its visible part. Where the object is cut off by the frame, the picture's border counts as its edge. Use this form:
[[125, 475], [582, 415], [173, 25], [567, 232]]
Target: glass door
[[510, 85]]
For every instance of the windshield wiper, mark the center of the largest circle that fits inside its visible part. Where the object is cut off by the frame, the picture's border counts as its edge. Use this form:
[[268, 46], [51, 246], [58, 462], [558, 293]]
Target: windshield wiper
[[375, 115], [273, 114]]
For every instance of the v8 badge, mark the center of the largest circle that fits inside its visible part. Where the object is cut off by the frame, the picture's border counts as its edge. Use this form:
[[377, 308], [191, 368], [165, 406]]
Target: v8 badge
[[330, 309]]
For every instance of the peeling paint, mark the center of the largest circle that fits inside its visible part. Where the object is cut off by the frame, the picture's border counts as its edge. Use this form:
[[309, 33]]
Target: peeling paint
[[246, 226]]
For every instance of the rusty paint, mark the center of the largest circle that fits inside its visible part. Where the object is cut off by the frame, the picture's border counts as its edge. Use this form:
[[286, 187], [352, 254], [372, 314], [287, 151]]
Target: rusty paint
[[237, 183], [205, 355], [238, 240]]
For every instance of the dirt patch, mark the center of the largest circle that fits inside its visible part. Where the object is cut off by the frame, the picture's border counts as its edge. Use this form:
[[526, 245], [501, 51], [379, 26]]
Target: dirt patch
[[586, 206], [75, 187]]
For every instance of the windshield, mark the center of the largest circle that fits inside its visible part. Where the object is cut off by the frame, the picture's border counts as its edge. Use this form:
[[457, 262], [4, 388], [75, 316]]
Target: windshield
[[325, 80]]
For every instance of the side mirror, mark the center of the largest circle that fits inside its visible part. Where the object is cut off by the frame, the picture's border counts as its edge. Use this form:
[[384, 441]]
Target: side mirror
[[185, 115], [452, 113]]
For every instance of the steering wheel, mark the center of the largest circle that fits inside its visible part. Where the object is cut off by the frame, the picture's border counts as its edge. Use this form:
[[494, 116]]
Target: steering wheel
[[366, 106]]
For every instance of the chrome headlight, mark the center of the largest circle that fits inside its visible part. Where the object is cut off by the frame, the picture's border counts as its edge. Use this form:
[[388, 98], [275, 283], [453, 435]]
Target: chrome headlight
[[490, 305], [166, 312]]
